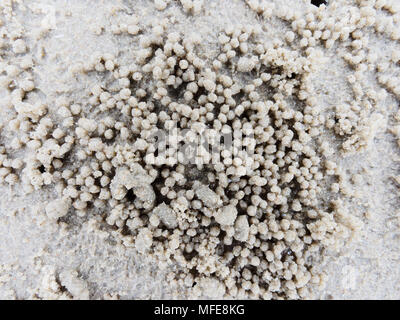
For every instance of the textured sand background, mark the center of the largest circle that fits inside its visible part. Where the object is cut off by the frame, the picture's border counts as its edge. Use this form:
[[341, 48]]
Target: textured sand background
[[34, 249]]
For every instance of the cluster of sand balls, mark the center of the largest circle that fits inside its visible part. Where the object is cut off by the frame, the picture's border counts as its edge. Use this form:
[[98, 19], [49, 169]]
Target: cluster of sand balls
[[247, 225]]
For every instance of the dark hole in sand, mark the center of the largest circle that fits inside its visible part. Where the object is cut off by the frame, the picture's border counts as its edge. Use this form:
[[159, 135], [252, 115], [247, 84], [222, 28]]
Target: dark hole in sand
[[318, 2]]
